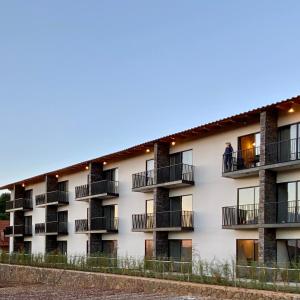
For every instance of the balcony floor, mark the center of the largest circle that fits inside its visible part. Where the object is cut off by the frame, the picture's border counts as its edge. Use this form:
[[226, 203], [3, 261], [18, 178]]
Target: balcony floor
[[171, 229], [241, 227], [168, 185], [98, 196]]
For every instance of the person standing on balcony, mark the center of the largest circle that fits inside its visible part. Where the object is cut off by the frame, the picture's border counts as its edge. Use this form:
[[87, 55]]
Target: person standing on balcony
[[228, 157]]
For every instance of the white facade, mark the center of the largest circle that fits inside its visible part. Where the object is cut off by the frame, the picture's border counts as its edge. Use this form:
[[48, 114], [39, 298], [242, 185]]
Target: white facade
[[210, 193]]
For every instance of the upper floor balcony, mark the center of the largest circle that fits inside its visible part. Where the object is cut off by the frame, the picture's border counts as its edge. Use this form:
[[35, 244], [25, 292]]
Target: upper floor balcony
[[52, 228], [52, 198], [97, 225], [281, 214], [281, 155], [18, 230], [104, 189], [172, 176], [165, 221], [18, 204]]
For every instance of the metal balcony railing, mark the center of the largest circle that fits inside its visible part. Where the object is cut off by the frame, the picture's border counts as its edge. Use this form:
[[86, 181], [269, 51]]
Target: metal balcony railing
[[240, 215], [166, 174], [97, 188], [19, 203], [104, 223], [241, 159], [39, 228], [59, 197], [278, 152], [8, 230], [166, 219], [81, 225]]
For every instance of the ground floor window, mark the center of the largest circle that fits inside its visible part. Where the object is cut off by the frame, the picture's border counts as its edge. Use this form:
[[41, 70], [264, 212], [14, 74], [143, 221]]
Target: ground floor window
[[148, 248], [27, 247], [109, 248], [180, 250], [247, 251], [288, 251], [62, 247]]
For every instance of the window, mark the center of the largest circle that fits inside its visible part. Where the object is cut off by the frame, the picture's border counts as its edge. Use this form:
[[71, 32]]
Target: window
[[187, 203], [148, 248], [288, 202], [62, 186], [149, 213], [150, 165], [293, 249], [28, 194], [62, 247], [111, 175], [27, 247], [247, 251], [28, 225], [180, 250], [248, 151], [248, 199], [109, 248], [184, 157]]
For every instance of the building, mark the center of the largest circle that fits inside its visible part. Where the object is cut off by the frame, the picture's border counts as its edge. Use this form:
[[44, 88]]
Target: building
[[4, 241], [176, 196]]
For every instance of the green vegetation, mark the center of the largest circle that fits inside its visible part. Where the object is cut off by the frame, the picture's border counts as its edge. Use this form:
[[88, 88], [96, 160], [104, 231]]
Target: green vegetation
[[220, 273], [3, 198]]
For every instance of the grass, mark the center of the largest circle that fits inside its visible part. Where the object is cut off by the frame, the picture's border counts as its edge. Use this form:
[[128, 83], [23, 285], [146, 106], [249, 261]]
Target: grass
[[252, 276]]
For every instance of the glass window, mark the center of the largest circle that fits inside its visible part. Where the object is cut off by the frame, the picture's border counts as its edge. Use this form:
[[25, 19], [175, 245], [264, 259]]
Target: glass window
[[150, 165], [148, 248], [109, 248], [186, 250], [149, 207], [116, 211], [187, 203], [247, 251], [248, 196], [187, 157]]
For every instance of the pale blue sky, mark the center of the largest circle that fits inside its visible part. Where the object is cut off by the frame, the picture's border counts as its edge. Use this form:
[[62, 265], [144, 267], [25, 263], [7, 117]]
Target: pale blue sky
[[79, 79]]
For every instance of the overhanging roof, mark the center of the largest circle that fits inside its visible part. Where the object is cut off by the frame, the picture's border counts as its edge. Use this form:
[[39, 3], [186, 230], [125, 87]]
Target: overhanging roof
[[225, 124]]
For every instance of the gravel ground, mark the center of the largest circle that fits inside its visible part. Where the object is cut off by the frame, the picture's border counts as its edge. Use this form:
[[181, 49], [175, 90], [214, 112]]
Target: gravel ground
[[33, 292]]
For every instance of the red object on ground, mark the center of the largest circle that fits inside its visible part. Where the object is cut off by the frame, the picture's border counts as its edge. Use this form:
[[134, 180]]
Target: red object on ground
[[4, 241]]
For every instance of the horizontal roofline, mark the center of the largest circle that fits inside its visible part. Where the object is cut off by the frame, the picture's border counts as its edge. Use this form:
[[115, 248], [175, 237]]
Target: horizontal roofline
[[207, 129]]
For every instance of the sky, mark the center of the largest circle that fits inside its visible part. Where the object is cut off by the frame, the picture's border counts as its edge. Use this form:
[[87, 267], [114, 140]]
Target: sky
[[80, 79]]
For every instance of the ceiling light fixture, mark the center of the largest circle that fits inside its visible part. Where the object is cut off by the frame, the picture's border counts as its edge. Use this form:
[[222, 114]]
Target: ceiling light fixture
[[104, 163], [148, 150], [291, 110]]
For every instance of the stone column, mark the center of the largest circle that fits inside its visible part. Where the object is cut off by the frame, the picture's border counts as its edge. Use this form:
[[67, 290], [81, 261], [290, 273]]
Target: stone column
[[160, 203], [267, 245]]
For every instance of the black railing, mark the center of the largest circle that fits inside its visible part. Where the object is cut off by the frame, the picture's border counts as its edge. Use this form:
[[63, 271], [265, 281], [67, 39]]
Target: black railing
[[143, 179], [9, 205], [241, 159], [104, 223], [59, 197], [40, 199], [81, 225], [283, 151], [240, 215], [278, 152], [19, 229], [8, 230], [166, 174], [282, 212], [97, 188], [166, 219], [142, 221], [39, 228], [19, 203]]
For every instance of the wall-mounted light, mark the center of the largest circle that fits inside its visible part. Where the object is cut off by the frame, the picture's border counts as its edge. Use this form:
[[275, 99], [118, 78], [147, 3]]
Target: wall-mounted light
[[23, 184], [86, 167], [56, 175], [253, 144], [104, 163], [147, 150], [173, 143], [291, 110]]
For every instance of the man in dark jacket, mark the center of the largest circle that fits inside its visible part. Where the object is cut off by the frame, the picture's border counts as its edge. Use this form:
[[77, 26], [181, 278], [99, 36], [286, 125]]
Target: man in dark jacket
[[228, 157]]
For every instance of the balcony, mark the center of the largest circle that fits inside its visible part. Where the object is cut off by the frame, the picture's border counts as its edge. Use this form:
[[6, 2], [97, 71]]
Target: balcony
[[19, 204], [282, 155], [104, 224], [81, 226], [165, 221], [240, 217], [52, 198], [18, 230], [174, 176], [282, 214], [104, 189], [52, 228]]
